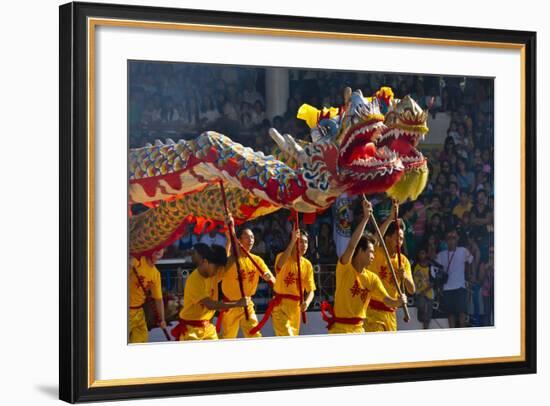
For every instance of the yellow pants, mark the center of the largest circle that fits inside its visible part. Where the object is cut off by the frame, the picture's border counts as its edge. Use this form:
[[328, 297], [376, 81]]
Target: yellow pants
[[235, 318], [138, 332], [379, 320], [286, 318], [200, 333], [340, 328]]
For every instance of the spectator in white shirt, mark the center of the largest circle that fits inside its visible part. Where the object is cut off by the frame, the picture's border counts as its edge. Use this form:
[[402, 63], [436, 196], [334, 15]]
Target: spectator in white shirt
[[456, 262]]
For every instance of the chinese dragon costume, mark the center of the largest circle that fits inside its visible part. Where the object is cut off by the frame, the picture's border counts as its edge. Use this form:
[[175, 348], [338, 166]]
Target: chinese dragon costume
[[367, 146]]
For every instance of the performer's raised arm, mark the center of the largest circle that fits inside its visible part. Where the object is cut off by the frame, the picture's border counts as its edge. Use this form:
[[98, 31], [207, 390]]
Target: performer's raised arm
[[357, 233], [230, 223], [283, 258], [384, 226]]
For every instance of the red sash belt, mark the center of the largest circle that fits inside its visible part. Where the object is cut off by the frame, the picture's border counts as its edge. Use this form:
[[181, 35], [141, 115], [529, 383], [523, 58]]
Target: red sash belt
[[181, 328], [274, 302], [376, 305], [331, 318], [136, 307]]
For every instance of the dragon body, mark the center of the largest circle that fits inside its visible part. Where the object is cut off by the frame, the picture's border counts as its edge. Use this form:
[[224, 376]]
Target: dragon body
[[352, 152]]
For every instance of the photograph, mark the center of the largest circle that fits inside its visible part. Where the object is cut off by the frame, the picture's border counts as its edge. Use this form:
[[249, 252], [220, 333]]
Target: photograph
[[289, 170]]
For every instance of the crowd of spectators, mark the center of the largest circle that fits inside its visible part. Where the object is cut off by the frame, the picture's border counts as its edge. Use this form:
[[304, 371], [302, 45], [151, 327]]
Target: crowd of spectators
[[181, 100]]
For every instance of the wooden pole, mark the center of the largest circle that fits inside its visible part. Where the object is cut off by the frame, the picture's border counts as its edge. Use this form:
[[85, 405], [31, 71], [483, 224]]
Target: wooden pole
[[398, 247], [297, 248], [234, 248]]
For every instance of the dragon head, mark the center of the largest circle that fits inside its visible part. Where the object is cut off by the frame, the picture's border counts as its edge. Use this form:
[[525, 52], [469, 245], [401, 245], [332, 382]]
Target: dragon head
[[405, 125], [342, 156], [364, 166]]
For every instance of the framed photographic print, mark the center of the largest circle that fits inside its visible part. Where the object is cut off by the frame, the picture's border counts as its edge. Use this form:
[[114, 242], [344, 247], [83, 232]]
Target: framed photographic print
[[256, 202]]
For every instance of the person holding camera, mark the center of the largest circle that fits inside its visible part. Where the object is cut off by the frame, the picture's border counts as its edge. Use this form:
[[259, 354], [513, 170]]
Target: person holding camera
[[457, 263]]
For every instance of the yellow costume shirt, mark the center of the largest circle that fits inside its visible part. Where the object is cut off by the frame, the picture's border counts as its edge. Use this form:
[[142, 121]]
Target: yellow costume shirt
[[381, 320], [250, 276], [198, 288], [286, 316], [150, 279], [380, 267], [354, 291], [287, 276], [234, 319]]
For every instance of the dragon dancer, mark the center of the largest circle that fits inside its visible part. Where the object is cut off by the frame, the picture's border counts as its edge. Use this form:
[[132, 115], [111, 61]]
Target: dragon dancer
[[380, 316], [145, 287], [252, 267], [355, 284], [287, 300], [200, 300]]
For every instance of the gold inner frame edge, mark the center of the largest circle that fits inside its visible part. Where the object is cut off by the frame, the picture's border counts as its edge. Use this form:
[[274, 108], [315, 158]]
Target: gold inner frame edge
[[93, 22]]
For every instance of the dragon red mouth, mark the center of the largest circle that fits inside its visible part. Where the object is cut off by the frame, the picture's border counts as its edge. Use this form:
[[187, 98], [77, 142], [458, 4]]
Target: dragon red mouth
[[371, 169], [404, 144], [374, 173], [357, 147]]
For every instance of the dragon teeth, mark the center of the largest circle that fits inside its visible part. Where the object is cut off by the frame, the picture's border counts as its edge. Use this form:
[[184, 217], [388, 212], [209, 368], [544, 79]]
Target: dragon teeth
[[387, 153], [352, 137]]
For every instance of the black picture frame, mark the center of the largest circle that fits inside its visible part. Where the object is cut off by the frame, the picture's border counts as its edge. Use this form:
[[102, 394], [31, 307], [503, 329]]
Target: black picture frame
[[74, 202]]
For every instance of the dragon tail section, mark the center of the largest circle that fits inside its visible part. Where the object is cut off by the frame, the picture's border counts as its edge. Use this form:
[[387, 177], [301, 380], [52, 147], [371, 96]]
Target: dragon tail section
[[160, 226]]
